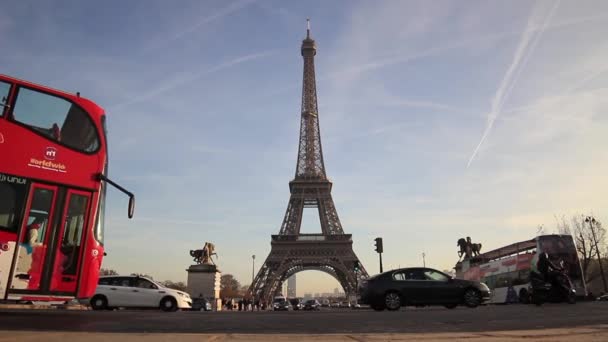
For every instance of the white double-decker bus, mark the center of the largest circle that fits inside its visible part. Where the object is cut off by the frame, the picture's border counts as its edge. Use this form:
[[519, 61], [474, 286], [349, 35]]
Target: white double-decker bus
[[506, 270]]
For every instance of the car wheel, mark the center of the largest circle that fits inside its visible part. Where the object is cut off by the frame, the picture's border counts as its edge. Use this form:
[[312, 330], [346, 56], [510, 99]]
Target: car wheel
[[451, 306], [571, 298], [392, 301], [99, 303], [472, 298], [168, 304]]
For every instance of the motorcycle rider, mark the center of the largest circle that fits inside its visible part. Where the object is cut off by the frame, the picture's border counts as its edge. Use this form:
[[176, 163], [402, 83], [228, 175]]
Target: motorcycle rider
[[547, 268]]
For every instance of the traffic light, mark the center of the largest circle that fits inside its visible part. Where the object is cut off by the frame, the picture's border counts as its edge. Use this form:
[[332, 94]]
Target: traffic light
[[357, 266], [378, 245]]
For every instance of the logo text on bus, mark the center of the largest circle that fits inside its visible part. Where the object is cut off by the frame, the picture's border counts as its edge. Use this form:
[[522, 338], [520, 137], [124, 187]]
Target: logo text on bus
[[12, 179], [50, 153]]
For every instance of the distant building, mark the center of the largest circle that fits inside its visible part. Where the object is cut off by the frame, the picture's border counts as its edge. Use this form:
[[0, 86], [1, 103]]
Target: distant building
[[308, 296], [291, 286], [336, 291]]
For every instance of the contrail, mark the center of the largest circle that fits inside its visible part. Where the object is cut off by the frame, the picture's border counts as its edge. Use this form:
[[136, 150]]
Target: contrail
[[526, 46], [180, 81], [233, 7]]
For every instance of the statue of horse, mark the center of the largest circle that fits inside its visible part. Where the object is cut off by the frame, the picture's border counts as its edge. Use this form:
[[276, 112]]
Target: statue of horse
[[203, 256], [467, 248]]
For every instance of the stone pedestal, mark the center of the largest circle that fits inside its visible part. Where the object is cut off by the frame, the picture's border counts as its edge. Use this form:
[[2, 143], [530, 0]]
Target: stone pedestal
[[204, 281]]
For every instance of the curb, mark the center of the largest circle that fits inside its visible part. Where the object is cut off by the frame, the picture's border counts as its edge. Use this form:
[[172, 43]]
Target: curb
[[44, 307]]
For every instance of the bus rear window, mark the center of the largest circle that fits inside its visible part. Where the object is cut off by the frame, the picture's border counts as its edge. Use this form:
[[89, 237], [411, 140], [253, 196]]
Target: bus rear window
[[56, 119]]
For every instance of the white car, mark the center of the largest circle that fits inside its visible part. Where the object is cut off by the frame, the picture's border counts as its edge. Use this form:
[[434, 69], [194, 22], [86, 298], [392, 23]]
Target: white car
[[137, 292]]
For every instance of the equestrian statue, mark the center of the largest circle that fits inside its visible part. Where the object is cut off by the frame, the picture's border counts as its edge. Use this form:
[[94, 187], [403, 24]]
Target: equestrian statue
[[203, 256], [467, 248]]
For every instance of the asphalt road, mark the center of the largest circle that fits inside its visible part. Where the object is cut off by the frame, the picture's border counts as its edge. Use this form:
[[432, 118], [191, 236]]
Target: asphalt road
[[345, 321]]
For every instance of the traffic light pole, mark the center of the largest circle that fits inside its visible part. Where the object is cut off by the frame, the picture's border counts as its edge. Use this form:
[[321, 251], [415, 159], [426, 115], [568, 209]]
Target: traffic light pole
[[379, 250]]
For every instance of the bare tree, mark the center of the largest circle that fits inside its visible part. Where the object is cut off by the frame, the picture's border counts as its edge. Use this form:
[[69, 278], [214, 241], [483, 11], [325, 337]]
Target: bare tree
[[540, 230], [229, 286], [180, 285], [142, 275], [107, 272], [585, 236]]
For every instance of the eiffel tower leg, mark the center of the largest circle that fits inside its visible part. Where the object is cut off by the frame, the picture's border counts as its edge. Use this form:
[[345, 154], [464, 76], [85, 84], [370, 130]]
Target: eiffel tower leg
[[330, 223], [290, 255], [293, 217]]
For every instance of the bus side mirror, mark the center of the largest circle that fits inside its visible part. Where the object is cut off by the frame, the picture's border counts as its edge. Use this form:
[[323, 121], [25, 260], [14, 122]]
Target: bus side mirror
[[131, 206]]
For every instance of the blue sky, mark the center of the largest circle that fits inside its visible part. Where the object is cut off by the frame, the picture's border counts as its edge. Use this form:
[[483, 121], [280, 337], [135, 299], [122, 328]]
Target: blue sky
[[438, 119]]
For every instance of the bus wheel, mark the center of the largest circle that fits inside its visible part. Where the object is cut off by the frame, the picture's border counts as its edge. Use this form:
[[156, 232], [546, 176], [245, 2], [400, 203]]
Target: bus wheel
[[168, 304], [472, 298], [571, 298], [99, 303], [524, 296]]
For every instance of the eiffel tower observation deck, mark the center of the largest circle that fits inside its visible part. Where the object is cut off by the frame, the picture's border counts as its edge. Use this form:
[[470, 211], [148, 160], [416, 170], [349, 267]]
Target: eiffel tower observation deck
[[329, 251]]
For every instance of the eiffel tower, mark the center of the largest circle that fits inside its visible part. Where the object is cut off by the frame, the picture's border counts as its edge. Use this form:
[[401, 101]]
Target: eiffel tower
[[292, 252]]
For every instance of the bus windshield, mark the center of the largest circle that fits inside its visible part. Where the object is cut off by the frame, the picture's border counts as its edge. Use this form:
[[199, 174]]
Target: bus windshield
[[561, 249], [57, 119]]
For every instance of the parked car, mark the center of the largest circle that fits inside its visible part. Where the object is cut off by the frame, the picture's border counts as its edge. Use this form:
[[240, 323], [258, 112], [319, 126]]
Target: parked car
[[281, 304], [420, 286], [137, 292], [344, 304], [334, 305], [325, 303], [603, 298], [312, 304], [296, 303]]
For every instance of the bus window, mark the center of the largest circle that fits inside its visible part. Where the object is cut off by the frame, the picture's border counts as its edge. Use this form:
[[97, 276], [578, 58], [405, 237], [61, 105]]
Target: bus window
[[12, 200], [56, 119], [72, 235], [4, 90]]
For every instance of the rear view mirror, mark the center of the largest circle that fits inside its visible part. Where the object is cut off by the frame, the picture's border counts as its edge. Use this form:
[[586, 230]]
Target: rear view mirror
[[131, 206]]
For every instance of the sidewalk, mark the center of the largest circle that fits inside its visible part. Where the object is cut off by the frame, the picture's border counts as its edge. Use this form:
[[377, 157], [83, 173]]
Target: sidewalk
[[590, 333]]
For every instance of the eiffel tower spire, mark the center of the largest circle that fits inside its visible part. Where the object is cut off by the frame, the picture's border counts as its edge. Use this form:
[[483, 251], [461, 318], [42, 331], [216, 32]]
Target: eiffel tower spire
[[310, 154]]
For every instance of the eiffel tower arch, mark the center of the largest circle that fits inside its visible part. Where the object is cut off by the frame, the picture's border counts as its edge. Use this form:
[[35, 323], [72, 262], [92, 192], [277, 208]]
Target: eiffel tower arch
[[291, 252]]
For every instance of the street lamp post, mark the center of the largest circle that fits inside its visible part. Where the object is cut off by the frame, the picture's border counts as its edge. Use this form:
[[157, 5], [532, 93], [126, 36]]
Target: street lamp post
[[423, 261], [591, 222]]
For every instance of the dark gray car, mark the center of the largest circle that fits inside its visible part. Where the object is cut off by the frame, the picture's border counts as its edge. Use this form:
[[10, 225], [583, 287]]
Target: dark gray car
[[420, 286]]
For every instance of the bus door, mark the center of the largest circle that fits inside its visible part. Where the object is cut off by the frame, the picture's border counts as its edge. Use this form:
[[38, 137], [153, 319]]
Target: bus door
[[35, 236], [50, 242], [70, 242]]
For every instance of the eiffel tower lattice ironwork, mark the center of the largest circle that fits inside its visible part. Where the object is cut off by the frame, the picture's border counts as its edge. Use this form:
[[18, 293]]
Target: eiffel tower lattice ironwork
[[292, 252]]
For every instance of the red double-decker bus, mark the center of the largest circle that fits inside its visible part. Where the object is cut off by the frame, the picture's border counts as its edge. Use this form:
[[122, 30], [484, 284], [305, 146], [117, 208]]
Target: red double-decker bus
[[53, 178]]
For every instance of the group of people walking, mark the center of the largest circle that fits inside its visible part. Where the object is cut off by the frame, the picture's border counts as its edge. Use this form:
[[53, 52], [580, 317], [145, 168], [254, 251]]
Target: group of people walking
[[239, 304]]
